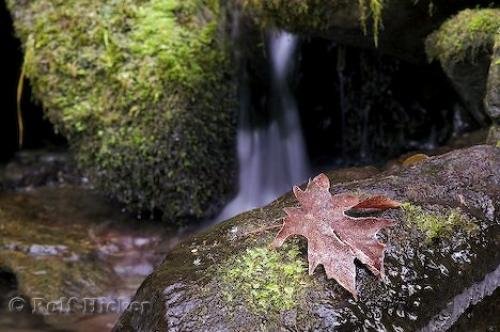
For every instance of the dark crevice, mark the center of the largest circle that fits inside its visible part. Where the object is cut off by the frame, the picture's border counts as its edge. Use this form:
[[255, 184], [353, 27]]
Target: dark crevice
[[358, 107], [38, 131], [8, 285]]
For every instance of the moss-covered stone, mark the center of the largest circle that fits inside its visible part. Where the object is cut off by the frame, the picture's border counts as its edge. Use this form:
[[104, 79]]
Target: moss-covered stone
[[142, 90], [268, 280], [464, 36]]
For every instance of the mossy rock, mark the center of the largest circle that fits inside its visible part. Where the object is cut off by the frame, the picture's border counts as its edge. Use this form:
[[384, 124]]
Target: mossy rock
[[463, 37], [441, 251], [464, 46], [143, 92]]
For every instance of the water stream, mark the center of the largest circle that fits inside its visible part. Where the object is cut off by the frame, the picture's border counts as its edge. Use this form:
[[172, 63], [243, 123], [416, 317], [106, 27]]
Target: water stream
[[60, 239], [272, 157]]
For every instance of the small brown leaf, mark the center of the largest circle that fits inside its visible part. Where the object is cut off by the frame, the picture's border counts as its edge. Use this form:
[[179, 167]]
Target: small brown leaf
[[335, 240], [377, 203]]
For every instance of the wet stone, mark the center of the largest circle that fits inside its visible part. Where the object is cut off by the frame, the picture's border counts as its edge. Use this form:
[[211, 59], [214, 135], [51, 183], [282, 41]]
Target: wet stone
[[430, 282]]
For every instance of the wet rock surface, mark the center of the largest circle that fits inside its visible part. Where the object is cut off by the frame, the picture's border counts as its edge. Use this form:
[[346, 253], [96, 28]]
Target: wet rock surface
[[430, 281]]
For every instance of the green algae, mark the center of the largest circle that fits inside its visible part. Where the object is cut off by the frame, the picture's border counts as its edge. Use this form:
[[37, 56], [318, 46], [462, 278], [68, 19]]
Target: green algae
[[141, 91], [436, 225], [464, 36], [266, 280]]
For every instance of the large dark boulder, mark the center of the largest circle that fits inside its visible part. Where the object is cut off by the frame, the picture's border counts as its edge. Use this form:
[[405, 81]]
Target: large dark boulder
[[441, 258]]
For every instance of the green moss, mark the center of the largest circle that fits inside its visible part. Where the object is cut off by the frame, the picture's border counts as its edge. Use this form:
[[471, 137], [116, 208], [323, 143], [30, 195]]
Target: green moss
[[312, 15], [463, 36], [374, 9], [302, 15], [141, 89], [175, 43], [436, 225], [267, 280]]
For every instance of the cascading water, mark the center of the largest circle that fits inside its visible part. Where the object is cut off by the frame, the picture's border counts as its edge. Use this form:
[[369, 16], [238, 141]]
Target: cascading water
[[271, 157]]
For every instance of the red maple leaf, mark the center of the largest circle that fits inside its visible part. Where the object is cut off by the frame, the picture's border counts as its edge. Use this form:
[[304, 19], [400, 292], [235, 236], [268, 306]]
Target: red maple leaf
[[334, 239]]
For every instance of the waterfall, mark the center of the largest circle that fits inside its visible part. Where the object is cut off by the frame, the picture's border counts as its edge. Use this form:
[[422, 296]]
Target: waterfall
[[272, 157]]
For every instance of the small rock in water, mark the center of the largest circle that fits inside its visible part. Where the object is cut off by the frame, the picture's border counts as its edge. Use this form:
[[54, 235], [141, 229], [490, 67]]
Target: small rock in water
[[47, 250]]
